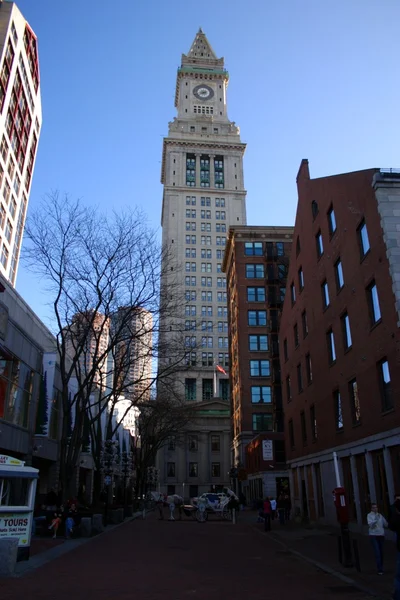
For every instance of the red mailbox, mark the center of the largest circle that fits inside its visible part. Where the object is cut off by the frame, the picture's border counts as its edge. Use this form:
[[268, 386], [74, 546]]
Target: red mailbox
[[342, 510]]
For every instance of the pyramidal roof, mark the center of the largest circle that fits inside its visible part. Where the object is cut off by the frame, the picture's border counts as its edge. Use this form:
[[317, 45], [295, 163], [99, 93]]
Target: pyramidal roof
[[201, 52]]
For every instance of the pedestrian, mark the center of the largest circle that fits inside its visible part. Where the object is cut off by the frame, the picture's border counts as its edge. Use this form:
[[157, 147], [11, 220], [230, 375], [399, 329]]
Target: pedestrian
[[394, 525], [160, 506], [281, 509], [273, 508], [267, 514], [376, 524]]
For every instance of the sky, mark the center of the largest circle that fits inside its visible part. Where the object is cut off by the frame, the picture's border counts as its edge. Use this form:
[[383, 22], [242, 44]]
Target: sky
[[308, 79]]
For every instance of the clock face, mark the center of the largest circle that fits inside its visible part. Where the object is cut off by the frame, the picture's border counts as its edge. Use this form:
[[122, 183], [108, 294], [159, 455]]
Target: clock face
[[203, 92]]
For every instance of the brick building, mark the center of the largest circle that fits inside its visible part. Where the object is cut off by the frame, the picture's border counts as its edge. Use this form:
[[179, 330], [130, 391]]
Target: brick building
[[339, 342], [256, 262]]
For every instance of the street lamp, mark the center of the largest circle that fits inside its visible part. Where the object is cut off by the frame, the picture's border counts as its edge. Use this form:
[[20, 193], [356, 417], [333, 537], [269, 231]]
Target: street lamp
[[127, 472]]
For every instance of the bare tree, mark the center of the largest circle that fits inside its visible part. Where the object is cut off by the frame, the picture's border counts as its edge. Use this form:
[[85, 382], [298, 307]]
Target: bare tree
[[102, 272], [161, 422]]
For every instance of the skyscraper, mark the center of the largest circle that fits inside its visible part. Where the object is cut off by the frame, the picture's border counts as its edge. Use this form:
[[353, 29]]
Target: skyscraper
[[134, 353], [20, 124], [202, 174]]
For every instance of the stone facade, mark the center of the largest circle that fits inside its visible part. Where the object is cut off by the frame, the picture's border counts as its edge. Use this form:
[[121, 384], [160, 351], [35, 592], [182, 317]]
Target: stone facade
[[202, 174]]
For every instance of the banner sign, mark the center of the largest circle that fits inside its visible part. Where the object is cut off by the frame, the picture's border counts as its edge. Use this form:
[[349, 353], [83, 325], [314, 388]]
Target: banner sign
[[268, 450], [16, 525]]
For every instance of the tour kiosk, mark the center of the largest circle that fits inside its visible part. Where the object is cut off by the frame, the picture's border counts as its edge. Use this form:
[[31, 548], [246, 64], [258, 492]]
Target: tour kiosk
[[17, 498]]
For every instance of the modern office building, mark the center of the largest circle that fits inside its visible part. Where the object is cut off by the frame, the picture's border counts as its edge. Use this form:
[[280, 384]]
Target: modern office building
[[133, 360], [256, 263], [202, 175], [339, 343], [20, 124]]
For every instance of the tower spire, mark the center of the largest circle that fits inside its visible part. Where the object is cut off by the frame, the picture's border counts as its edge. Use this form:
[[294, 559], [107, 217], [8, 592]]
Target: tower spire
[[201, 52]]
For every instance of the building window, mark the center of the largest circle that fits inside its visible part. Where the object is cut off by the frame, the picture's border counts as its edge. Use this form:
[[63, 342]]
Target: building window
[[337, 399], [5, 72], [31, 51], [288, 389], [304, 323], [314, 209], [325, 295], [313, 423], [262, 422], [339, 275], [308, 369], [171, 443], [190, 390], [215, 443], [257, 318], [253, 249], [255, 271], [299, 378], [331, 221], [215, 469], [258, 343], [301, 279], [261, 394], [190, 170], [219, 172], [207, 392], [16, 380], [373, 301], [285, 349], [354, 402], [4, 256], [193, 469], [259, 368], [293, 293], [171, 469], [320, 245], [346, 331], [331, 346], [256, 294], [291, 433], [193, 443], [303, 427], [296, 335], [385, 385], [282, 272], [363, 239], [282, 294], [298, 248], [280, 249]]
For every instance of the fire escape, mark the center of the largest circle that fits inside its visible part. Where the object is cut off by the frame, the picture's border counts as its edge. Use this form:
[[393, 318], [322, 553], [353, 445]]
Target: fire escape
[[277, 262]]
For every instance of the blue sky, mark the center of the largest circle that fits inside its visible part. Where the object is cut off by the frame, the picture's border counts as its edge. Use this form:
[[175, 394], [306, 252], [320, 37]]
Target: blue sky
[[309, 79]]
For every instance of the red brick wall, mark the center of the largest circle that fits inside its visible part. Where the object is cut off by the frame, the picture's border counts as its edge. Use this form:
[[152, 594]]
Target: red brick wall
[[353, 199]]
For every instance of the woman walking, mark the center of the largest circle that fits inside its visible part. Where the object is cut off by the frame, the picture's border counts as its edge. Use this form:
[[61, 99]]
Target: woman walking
[[376, 525]]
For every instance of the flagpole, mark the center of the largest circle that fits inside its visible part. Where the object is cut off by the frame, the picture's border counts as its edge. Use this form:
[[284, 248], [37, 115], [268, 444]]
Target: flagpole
[[215, 382]]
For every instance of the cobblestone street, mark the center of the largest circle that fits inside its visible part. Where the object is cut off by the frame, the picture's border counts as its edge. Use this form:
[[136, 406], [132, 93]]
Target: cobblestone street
[[151, 560]]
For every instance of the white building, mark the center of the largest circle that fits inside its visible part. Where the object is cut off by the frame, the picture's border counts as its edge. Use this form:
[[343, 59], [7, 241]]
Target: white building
[[202, 174], [127, 415], [20, 124]]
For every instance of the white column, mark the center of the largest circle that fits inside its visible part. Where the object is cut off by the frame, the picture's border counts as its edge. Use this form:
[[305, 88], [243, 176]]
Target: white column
[[212, 173], [389, 473], [197, 169], [356, 489], [371, 478]]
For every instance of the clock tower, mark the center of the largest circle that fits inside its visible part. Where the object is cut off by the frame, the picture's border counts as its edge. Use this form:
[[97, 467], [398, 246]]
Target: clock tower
[[202, 175]]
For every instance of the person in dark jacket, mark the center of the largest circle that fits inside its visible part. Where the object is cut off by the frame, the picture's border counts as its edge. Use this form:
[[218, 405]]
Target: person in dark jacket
[[267, 514], [394, 525]]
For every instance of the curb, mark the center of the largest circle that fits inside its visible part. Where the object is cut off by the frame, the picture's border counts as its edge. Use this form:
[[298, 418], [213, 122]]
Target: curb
[[327, 569], [39, 560]]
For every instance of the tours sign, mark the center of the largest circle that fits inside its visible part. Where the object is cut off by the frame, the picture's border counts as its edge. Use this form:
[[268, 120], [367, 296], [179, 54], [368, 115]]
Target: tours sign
[[10, 461], [16, 525]]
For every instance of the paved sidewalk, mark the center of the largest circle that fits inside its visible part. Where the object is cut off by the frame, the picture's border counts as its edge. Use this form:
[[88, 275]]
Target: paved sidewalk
[[321, 545], [181, 560]]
